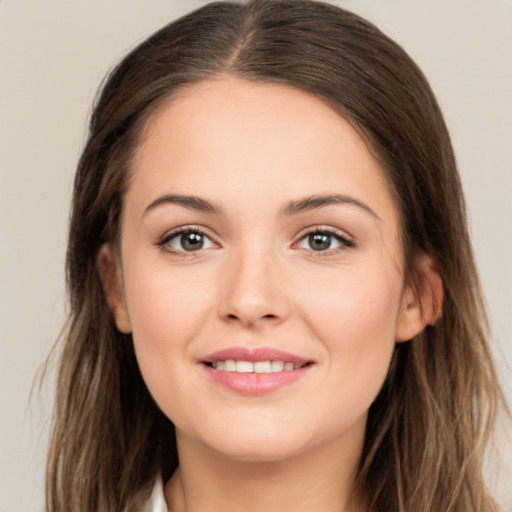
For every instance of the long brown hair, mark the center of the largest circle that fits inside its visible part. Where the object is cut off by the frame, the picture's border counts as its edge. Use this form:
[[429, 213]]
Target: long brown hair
[[428, 427]]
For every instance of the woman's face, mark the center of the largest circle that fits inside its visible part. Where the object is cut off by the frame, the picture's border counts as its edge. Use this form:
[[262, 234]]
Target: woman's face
[[261, 270]]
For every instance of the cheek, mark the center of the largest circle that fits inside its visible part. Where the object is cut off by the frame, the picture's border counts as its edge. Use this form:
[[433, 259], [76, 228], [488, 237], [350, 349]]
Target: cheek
[[355, 317], [165, 303], [357, 302], [167, 310]]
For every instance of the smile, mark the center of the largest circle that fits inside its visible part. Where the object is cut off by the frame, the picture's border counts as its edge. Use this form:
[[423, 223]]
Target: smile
[[255, 371], [255, 367]]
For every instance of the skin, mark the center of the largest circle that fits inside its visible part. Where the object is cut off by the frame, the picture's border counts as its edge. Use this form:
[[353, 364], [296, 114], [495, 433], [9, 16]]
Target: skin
[[252, 150]]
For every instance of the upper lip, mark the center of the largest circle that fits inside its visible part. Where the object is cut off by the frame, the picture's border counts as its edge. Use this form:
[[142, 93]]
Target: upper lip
[[254, 354]]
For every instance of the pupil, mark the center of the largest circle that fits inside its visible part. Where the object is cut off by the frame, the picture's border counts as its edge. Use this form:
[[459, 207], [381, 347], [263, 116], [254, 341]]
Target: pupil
[[319, 241], [192, 241]]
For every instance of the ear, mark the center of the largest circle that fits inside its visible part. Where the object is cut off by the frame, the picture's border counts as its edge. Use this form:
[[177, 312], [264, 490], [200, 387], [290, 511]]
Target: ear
[[422, 300], [112, 283]]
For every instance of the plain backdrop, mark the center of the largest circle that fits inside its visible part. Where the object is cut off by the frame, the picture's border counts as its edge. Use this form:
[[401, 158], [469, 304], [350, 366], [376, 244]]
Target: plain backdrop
[[53, 55]]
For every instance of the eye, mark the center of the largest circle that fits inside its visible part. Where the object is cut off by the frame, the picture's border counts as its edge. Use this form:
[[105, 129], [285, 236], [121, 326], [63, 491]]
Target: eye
[[324, 240], [187, 240]]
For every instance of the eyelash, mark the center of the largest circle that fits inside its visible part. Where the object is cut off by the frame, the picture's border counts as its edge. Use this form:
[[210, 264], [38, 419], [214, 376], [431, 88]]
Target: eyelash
[[345, 242], [163, 243]]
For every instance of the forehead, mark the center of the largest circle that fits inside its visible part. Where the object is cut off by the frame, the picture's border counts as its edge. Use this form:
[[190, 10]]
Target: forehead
[[263, 115], [230, 138]]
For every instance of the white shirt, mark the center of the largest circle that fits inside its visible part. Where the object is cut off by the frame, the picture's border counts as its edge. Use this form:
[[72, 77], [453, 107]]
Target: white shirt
[[156, 502]]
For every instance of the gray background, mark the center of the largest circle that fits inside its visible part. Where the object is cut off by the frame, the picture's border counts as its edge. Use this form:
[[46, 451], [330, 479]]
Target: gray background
[[53, 55]]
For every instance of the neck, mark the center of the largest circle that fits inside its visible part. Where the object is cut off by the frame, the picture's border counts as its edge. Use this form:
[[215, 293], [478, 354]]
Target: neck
[[320, 479]]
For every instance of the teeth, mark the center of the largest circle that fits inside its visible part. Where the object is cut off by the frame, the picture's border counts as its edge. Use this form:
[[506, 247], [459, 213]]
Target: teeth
[[244, 367], [256, 367], [230, 366], [277, 366], [262, 367]]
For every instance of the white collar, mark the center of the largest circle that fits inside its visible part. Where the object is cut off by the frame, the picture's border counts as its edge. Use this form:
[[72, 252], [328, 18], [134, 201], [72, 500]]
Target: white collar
[[156, 501]]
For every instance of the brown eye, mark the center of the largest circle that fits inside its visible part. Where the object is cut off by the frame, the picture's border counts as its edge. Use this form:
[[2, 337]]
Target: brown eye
[[319, 241], [324, 240], [187, 241], [191, 241]]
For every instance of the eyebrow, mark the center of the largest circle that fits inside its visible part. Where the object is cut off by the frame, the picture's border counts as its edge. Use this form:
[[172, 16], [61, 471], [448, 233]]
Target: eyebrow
[[292, 208], [190, 202], [319, 201]]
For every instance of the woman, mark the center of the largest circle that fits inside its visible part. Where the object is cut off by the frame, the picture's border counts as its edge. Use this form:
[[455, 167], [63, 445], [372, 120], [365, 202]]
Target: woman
[[271, 279]]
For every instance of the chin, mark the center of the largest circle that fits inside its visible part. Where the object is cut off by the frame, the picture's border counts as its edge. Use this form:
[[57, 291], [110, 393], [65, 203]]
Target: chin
[[264, 451], [256, 442]]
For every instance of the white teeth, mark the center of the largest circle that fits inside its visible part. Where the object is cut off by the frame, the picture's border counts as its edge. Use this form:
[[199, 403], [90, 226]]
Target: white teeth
[[277, 366], [262, 367], [256, 367], [230, 365], [244, 367]]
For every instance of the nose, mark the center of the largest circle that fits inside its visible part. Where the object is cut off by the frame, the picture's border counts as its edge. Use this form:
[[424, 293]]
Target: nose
[[253, 292]]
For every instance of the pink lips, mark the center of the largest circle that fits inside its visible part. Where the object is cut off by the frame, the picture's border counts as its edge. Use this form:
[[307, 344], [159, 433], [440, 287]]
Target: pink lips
[[254, 384], [256, 354]]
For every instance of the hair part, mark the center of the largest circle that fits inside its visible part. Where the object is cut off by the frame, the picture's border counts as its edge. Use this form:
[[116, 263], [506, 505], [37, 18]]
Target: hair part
[[428, 427]]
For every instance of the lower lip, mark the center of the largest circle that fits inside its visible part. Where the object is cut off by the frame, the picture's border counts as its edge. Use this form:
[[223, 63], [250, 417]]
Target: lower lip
[[254, 384]]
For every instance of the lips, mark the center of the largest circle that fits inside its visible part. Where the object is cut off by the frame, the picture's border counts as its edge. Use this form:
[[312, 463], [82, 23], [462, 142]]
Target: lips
[[255, 371], [254, 355]]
